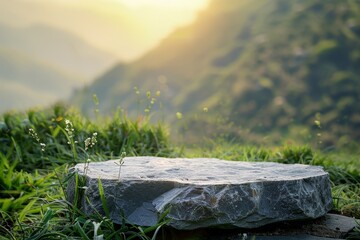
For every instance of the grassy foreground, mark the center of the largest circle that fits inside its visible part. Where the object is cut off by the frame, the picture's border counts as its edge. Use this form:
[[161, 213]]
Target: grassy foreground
[[37, 148]]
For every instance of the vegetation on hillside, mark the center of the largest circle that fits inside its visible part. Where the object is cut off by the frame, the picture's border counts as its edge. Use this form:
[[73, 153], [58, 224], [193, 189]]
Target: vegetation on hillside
[[269, 68]]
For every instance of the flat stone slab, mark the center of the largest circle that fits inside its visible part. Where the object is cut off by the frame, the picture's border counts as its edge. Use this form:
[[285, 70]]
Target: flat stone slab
[[203, 192], [295, 237], [338, 224], [328, 227]]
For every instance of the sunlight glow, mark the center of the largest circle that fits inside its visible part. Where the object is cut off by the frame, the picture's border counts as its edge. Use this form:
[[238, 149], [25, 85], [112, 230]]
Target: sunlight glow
[[192, 4], [125, 28]]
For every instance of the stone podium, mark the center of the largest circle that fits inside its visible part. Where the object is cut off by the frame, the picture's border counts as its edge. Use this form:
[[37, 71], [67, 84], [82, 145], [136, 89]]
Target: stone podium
[[203, 192]]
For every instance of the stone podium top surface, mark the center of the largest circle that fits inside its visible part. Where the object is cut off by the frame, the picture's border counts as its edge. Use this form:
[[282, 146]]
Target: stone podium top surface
[[203, 192], [199, 170]]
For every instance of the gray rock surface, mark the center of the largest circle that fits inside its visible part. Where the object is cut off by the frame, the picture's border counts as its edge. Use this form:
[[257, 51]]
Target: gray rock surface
[[295, 237], [340, 225], [205, 192], [330, 226]]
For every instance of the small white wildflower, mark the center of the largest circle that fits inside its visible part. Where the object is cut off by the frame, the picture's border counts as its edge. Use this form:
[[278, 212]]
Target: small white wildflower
[[69, 130], [90, 142], [93, 139], [34, 135], [87, 143], [43, 146]]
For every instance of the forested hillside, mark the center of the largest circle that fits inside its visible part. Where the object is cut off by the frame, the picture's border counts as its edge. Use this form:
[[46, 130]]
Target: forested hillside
[[263, 70]]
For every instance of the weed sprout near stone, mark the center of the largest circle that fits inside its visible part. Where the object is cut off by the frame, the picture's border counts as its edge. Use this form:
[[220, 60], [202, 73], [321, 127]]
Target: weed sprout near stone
[[121, 162], [96, 228]]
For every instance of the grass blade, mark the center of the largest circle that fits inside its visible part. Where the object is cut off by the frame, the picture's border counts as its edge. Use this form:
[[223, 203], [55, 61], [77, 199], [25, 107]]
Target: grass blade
[[81, 231], [103, 199]]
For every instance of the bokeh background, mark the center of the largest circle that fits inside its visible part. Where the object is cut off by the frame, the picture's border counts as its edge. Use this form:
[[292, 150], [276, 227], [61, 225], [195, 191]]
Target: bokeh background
[[264, 72]]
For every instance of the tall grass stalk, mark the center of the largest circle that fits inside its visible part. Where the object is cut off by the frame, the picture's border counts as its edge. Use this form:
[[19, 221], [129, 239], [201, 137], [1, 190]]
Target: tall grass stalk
[[121, 162]]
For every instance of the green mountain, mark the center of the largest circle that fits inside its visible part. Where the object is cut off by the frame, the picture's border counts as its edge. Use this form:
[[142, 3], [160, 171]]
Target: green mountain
[[57, 47], [260, 70], [26, 82], [40, 64]]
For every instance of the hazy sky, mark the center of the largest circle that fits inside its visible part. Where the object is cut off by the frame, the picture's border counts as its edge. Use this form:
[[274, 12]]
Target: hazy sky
[[126, 28]]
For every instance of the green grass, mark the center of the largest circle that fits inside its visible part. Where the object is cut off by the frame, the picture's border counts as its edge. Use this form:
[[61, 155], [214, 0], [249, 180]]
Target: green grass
[[33, 177], [34, 163], [115, 135]]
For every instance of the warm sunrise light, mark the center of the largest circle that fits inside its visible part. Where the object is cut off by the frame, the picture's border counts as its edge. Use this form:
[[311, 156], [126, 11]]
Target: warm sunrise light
[[193, 4], [125, 28]]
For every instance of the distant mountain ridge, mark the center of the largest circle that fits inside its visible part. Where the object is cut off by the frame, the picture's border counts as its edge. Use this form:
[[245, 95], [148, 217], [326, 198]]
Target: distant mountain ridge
[[40, 65], [26, 82], [57, 47], [266, 67]]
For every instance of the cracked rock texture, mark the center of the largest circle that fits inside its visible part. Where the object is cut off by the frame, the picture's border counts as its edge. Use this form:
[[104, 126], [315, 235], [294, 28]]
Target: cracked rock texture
[[203, 192]]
